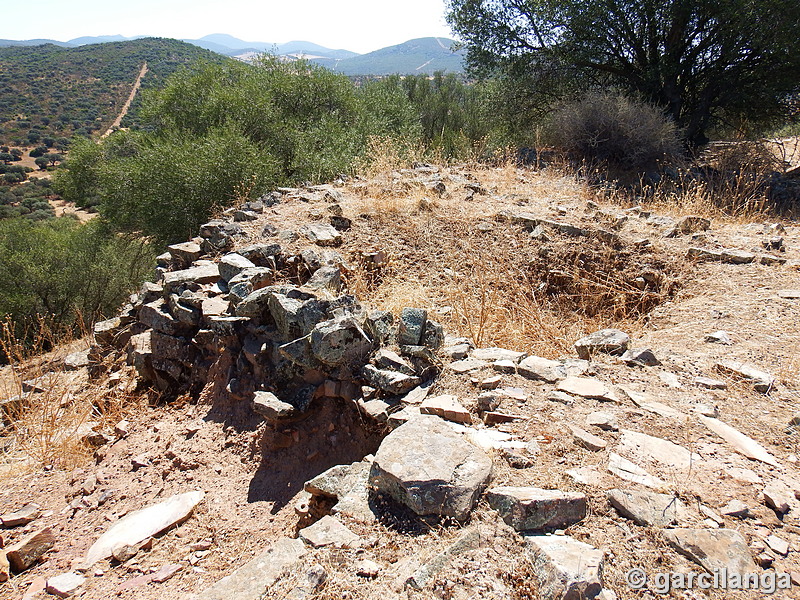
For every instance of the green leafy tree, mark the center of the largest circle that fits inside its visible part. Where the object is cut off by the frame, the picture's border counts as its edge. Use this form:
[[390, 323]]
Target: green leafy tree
[[703, 61], [42, 162]]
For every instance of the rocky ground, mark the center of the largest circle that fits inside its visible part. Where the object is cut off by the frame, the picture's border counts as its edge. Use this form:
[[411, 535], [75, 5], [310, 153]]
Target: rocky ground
[[432, 383]]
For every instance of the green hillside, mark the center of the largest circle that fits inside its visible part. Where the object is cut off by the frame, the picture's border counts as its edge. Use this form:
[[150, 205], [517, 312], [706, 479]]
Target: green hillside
[[414, 57], [49, 93]]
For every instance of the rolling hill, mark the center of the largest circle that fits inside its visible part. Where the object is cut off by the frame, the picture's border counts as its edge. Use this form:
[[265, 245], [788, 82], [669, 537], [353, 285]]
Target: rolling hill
[[422, 55], [51, 92]]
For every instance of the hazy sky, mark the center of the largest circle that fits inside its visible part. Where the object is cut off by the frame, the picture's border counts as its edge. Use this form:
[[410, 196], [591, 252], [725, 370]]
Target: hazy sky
[[357, 25]]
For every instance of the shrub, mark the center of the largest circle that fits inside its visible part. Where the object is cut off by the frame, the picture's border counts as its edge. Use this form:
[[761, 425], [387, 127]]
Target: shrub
[[65, 272], [615, 131]]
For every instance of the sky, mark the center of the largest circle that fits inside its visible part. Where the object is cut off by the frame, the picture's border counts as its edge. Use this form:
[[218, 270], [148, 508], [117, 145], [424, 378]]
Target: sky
[[357, 25]]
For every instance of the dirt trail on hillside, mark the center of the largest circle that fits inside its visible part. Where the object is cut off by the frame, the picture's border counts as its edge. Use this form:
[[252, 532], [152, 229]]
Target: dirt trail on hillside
[[128, 102]]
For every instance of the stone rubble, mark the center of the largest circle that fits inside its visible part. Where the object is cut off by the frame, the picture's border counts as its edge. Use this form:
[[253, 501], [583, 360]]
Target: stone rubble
[[292, 347]]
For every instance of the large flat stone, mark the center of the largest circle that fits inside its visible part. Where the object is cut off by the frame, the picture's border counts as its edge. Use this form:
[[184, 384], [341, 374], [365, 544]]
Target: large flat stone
[[142, 524], [587, 387], [446, 406], [529, 508], [629, 471], [643, 446], [713, 549], [31, 548], [648, 508], [251, 581], [430, 468], [329, 531], [201, 274], [743, 444], [762, 381]]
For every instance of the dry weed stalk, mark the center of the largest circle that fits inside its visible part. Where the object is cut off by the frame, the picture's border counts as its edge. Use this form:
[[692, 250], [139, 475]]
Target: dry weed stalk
[[50, 426]]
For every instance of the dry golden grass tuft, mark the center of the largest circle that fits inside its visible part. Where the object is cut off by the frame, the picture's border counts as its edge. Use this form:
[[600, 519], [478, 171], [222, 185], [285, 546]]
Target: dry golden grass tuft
[[52, 423], [480, 278]]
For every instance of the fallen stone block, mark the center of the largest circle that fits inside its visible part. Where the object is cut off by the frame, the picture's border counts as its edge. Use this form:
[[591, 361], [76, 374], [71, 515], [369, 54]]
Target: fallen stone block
[[430, 468], [137, 526], [529, 508], [564, 568]]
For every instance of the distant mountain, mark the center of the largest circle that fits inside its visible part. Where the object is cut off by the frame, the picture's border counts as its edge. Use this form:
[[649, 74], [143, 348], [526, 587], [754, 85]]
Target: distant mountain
[[102, 39], [9, 43], [422, 55]]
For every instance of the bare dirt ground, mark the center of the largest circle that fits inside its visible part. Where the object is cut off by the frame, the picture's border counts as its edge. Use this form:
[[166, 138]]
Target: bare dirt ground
[[136, 85], [477, 274]]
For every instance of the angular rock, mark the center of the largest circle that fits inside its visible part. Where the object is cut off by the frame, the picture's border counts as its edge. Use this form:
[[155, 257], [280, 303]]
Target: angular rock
[[65, 585], [777, 545], [741, 443], [713, 549], [640, 356], [447, 407], [329, 531], [538, 368], [142, 524], [250, 582], [529, 508], [349, 486], [386, 359], [156, 316], [326, 278], [231, 265], [736, 257], [23, 516], [106, 331], [587, 388], [762, 382], [389, 381], [197, 275], [603, 420], [77, 360], [30, 549], [778, 497], [648, 508], [495, 354], [608, 341], [711, 384], [322, 235], [340, 341], [564, 568], [689, 224], [186, 253], [412, 326], [431, 469], [736, 508], [625, 469], [271, 408], [586, 440], [467, 365]]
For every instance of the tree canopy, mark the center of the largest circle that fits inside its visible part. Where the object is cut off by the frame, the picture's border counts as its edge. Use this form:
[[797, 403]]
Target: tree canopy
[[703, 61]]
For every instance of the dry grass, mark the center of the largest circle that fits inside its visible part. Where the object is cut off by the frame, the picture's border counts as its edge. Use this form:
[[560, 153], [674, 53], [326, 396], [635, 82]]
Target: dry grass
[[50, 424], [732, 184], [487, 280]]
